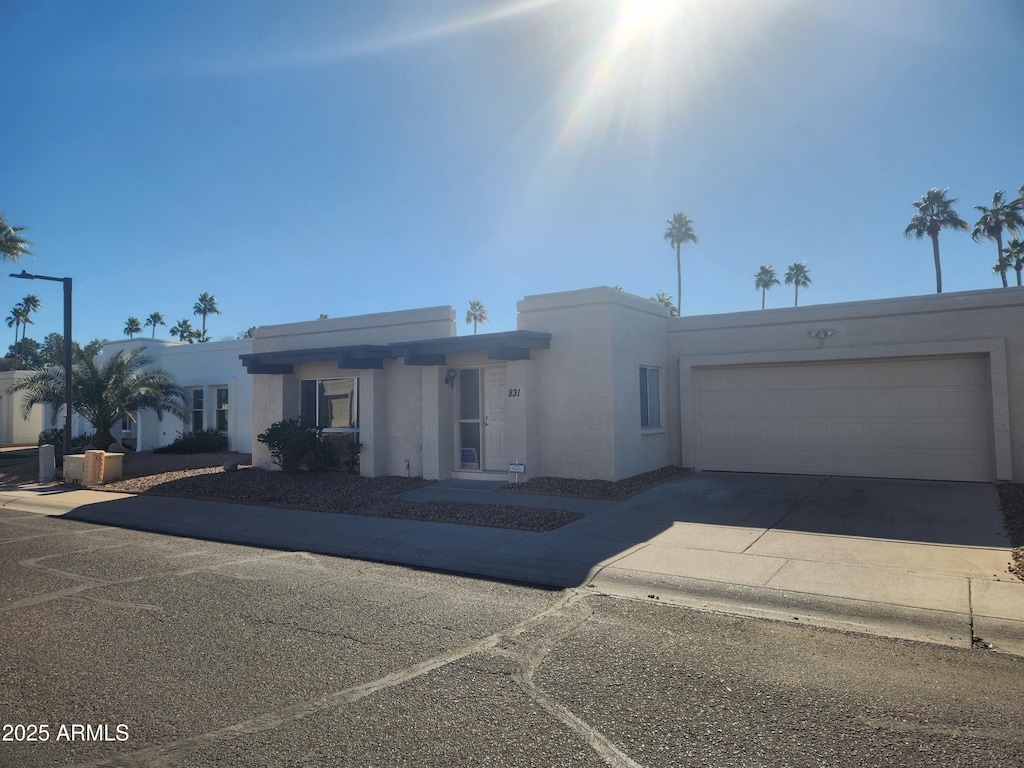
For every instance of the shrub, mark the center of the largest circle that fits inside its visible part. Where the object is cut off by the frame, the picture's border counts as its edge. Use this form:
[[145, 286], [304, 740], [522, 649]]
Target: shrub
[[205, 441], [55, 437], [294, 446]]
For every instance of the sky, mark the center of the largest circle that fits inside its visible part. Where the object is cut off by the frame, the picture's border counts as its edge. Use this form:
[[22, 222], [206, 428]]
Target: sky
[[299, 157]]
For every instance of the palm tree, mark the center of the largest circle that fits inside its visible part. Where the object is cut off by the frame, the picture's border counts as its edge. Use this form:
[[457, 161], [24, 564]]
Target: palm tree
[[477, 313], [798, 276], [104, 394], [765, 279], [28, 305], [12, 246], [679, 231], [1015, 256], [132, 326], [14, 321], [1002, 215], [184, 331], [665, 300], [205, 305], [934, 213], [154, 320]]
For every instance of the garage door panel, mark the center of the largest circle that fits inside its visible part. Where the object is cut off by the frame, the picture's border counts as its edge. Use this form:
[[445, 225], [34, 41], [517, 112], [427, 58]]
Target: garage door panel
[[917, 417]]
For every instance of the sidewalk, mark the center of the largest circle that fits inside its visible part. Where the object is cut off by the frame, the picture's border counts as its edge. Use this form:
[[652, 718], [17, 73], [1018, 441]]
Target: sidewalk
[[765, 546]]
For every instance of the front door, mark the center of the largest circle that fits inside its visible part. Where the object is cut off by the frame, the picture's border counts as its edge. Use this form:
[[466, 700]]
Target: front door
[[482, 427], [495, 421]]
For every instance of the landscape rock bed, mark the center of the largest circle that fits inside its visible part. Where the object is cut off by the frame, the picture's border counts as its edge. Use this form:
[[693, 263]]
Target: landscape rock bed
[[594, 489]]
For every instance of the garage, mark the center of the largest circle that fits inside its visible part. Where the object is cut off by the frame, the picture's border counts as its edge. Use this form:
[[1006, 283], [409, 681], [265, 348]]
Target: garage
[[921, 417]]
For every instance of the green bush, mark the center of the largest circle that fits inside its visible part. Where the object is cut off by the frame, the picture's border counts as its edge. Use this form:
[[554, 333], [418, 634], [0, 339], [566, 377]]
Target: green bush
[[294, 446], [206, 441], [55, 437]]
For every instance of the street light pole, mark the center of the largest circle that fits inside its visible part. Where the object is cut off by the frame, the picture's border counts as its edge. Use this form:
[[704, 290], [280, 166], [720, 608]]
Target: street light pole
[[67, 349]]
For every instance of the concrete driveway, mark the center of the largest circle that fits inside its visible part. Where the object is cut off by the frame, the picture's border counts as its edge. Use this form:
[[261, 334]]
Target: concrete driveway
[[917, 559]]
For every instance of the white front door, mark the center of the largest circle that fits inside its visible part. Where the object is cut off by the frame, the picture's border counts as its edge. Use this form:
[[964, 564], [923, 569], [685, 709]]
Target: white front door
[[495, 420]]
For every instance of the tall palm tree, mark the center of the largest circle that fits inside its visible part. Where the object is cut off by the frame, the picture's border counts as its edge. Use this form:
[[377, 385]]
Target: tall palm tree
[[477, 313], [28, 305], [765, 279], [205, 305], [14, 321], [934, 213], [104, 394], [798, 276], [665, 300], [132, 326], [154, 320], [1002, 215], [1015, 256], [679, 231], [12, 245], [184, 331]]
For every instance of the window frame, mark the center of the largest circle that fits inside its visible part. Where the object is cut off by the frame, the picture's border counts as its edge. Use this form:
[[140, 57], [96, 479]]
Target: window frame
[[317, 400], [650, 403]]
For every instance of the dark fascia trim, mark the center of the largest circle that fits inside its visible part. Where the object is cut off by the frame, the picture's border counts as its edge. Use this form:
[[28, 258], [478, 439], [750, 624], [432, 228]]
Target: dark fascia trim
[[508, 345], [356, 356]]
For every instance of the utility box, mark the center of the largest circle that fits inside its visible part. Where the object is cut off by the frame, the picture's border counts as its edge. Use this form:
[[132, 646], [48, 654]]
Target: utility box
[[47, 463], [113, 467], [74, 468], [93, 467]]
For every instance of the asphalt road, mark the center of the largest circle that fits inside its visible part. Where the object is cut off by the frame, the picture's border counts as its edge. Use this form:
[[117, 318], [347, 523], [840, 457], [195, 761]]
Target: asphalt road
[[136, 649]]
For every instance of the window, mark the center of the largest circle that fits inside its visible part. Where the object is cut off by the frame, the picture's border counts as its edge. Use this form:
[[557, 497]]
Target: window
[[222, 409], [331, 404], [197, 410], [650, 398]]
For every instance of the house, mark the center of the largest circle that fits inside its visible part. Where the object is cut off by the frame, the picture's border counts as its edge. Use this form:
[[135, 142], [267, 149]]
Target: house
[[217, 390], [598, 383]]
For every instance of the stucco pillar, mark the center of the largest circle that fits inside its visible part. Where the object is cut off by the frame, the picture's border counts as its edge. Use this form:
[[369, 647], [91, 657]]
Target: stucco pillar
[[373, 423], [438, 425], [523, 417], [274, 398]]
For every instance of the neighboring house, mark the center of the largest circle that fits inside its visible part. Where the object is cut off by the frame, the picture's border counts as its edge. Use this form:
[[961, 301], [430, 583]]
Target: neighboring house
[[15, 428], [218, 391], [601, 384]]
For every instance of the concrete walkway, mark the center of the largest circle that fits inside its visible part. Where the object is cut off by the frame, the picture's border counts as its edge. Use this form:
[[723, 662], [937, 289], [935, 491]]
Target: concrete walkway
[[908, 559]]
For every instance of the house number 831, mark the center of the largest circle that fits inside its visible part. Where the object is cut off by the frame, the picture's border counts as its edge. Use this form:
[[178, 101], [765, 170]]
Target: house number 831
[[513, 392]]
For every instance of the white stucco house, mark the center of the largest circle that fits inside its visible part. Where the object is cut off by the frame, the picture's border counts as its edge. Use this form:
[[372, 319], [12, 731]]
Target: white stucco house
[[217, 388], [601, 384]]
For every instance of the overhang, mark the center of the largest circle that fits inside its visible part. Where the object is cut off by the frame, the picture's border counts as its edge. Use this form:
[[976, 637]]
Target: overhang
[[508, 345]]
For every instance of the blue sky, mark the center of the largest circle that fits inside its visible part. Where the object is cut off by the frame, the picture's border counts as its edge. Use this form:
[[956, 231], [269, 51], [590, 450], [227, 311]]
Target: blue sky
[[294, 157]]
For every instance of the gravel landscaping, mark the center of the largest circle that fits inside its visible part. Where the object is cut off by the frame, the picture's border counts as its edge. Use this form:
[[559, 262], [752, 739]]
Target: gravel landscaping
[[594, 489], [1011, 497]]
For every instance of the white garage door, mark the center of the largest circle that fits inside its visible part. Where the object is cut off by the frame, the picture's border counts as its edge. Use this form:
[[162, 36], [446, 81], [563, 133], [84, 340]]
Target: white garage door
[[928, 418]]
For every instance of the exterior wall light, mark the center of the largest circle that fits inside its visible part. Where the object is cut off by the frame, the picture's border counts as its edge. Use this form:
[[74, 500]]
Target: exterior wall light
[[821, 334], [450, 377]]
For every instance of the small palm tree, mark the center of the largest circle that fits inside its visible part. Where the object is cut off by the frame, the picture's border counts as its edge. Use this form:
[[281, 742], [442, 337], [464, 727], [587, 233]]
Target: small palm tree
[[665, 300], [184, 331], [679, 231], [154, 320], [1002, 215], [934, 213], [798, 276], [477, 313], [104, 394], [765, 279], [12, 245], [132, 326], [205, 305]]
